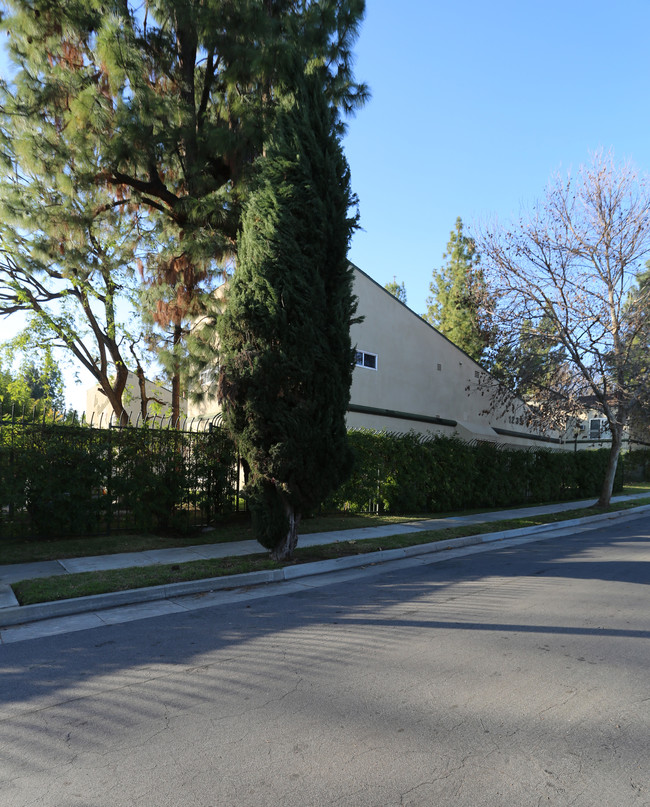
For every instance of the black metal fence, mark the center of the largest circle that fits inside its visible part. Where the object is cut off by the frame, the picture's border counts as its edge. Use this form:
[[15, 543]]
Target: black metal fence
[[61, 476]]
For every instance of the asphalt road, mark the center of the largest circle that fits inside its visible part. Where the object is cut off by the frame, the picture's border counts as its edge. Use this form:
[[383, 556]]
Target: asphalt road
[[513, 677]]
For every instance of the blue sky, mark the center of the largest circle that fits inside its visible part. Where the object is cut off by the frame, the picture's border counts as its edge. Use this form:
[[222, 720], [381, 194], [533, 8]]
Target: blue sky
[[475, 105]]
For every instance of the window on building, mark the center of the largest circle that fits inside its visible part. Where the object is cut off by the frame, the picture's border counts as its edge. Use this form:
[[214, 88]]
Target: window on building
[[595, 428], [363, 359]]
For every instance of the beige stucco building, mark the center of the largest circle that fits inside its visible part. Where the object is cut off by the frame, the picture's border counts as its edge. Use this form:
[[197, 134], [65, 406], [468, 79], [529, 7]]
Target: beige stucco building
[[409, 376], [100, 413]]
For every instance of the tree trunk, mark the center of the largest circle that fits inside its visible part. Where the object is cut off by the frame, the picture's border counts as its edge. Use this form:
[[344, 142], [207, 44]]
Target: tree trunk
[[114, 391], [142, 384], [284, 550], [176, 378], [608, 483]]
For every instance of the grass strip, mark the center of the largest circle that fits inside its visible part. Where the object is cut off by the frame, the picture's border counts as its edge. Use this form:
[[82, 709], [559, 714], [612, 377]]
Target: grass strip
[[62, 587]]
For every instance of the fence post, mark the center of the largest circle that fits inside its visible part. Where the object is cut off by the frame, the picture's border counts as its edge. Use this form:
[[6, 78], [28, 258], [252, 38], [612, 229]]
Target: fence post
[[109, 485], [12, 461]]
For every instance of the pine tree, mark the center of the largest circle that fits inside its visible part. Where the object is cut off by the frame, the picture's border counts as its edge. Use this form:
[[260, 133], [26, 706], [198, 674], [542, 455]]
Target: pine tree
[[636, 339], [285, 350], [397, 290], [458, 306], [531, 361], [152, 117], [170, 301]]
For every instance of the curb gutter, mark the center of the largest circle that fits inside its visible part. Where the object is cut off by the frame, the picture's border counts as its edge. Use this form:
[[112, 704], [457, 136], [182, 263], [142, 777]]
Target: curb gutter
[[16, 615]]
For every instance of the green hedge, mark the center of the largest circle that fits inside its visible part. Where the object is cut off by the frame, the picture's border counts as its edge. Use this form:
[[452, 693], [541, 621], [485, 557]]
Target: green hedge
[[636, 465], [63, 480], [410, 473]]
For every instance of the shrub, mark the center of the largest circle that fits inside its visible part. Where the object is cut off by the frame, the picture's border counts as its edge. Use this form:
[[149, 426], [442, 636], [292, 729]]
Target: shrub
[[409, 473], [63, 480]]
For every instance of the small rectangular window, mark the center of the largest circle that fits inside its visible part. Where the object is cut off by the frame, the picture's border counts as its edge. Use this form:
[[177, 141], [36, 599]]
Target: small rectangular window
[[363, 359], [594, 429]]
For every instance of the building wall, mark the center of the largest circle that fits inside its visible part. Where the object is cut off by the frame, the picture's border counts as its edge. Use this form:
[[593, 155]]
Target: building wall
[[421, 373], [422, 381], [99, 410]]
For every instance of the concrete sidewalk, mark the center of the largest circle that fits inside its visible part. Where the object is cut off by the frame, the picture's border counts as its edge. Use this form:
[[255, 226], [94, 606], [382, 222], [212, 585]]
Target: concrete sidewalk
[[13, 572]]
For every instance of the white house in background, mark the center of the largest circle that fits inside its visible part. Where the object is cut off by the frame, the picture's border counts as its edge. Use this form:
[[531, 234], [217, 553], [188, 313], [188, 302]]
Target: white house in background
[[99, 411], [591, 430], [408, 376]]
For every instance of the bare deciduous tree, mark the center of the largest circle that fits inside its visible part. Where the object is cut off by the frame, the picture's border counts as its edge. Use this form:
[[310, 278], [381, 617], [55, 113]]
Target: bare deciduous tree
[[570, 269]]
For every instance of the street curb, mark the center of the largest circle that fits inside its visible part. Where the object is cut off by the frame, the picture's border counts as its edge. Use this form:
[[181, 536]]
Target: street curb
[[17, 615], [7, 596]]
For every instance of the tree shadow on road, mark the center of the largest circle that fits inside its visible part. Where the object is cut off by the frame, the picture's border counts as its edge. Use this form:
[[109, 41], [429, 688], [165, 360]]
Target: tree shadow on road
[[118, 676]]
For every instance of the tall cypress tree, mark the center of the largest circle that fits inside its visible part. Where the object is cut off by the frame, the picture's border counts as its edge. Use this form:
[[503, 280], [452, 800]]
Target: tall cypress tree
[[458, 306], [285, 351]]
